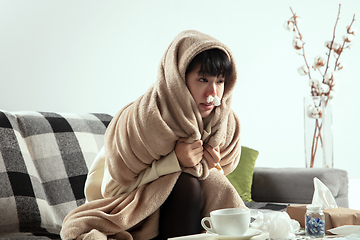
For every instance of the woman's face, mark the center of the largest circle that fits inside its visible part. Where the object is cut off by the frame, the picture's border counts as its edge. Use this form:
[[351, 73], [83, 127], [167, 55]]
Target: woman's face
[[201, 86]]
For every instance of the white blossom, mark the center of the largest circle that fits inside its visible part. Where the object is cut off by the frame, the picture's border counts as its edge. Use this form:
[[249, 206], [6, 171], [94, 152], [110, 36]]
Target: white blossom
[[320, 89], [319, 62], [314, 112], [289, 25], [317, 113], [328, 44], [335, 46], [309, 111], [337, 49], [298, 44], [295, 19], [324, 88], [329, 76], [348, 37], [303, 70], [314, 83]]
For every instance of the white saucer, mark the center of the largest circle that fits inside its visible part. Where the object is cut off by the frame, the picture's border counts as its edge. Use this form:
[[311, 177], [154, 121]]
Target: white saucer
[[249, 233]]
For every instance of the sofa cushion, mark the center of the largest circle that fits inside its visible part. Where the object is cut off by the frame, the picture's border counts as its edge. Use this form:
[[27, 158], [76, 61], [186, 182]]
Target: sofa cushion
[[44, 160], [241, 178], [296, 185]]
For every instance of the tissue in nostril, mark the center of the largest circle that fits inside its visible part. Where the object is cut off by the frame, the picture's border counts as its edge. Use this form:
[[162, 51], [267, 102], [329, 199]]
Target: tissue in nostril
[[217, 101], [210, 98]]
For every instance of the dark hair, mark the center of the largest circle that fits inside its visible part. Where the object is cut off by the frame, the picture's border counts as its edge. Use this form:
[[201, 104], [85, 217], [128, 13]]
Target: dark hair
[[213, 62]]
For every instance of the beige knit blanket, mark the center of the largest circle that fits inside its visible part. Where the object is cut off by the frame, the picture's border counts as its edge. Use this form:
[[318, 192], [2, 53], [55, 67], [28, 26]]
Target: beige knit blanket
[[146, 130]]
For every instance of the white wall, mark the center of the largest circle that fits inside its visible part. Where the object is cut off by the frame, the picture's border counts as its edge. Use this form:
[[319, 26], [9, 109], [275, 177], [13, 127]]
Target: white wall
[[96, 56], [354, 194]]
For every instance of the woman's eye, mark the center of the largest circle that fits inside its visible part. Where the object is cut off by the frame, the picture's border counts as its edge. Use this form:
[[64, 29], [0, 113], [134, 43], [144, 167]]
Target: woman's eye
[[203, 80], [221, 81]]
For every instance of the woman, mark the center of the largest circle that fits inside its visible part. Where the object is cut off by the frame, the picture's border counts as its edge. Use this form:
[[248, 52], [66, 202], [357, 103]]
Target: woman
[[156, 175]]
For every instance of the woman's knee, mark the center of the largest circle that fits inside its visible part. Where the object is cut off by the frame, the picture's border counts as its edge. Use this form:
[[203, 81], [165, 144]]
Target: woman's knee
[[187, 190], [189, 179]]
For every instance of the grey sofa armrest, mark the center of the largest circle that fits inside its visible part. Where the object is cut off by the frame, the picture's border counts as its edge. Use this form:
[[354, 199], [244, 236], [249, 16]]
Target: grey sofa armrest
[[296, 185]]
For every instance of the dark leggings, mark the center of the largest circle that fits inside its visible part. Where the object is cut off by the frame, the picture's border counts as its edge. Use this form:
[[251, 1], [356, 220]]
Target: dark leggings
[[180, 213]]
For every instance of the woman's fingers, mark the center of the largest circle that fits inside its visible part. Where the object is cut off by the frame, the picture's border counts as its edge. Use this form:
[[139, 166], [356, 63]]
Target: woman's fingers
[[188, 154], [212, 156]]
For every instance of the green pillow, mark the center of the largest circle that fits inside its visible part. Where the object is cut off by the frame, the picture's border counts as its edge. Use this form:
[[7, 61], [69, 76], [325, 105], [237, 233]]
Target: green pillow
[[241, 178]]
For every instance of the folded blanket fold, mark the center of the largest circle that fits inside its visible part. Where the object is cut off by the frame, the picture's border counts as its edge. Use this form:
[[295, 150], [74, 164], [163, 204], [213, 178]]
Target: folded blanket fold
[[146, 130]]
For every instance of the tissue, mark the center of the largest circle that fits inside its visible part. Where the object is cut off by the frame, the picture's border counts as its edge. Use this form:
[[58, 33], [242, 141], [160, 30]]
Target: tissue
[[210, 98], [216, 99], [278, 224], [334, 216], [322, 196]]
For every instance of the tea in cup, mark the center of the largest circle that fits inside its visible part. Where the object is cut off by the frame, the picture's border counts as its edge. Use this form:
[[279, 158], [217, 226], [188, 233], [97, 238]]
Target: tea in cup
[[229, 221]]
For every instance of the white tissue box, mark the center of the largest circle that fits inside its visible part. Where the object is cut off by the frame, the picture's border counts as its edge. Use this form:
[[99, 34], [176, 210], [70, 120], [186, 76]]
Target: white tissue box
[[334, 217]]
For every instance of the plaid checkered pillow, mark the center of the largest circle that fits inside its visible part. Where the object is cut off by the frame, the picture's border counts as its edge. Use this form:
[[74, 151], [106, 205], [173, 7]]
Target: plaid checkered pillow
[[44, 160]]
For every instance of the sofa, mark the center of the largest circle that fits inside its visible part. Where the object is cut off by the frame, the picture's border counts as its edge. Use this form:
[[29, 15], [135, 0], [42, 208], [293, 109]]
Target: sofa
[[45, 157]]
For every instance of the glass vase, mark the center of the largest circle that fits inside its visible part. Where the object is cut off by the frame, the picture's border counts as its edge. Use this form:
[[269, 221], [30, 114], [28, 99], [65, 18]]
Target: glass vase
[[318, 132]]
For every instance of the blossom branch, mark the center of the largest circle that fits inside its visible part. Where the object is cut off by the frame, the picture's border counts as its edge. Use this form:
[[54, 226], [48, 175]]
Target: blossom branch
[[301, 39], [344, 43], [323, 89], [332, 43]]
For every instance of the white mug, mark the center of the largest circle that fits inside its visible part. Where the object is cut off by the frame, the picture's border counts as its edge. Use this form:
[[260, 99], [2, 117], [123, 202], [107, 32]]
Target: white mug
[[229, 221]]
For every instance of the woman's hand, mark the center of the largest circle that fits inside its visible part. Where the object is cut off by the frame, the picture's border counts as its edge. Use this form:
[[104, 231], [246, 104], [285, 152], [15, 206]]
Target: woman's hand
[[189, 154], [211, 155]]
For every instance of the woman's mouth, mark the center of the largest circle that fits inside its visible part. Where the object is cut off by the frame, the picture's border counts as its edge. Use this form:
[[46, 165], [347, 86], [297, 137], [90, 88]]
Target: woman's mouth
[[207, 106]]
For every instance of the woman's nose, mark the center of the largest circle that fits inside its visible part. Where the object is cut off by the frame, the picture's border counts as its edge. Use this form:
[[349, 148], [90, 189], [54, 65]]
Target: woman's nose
[[211, 90]]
